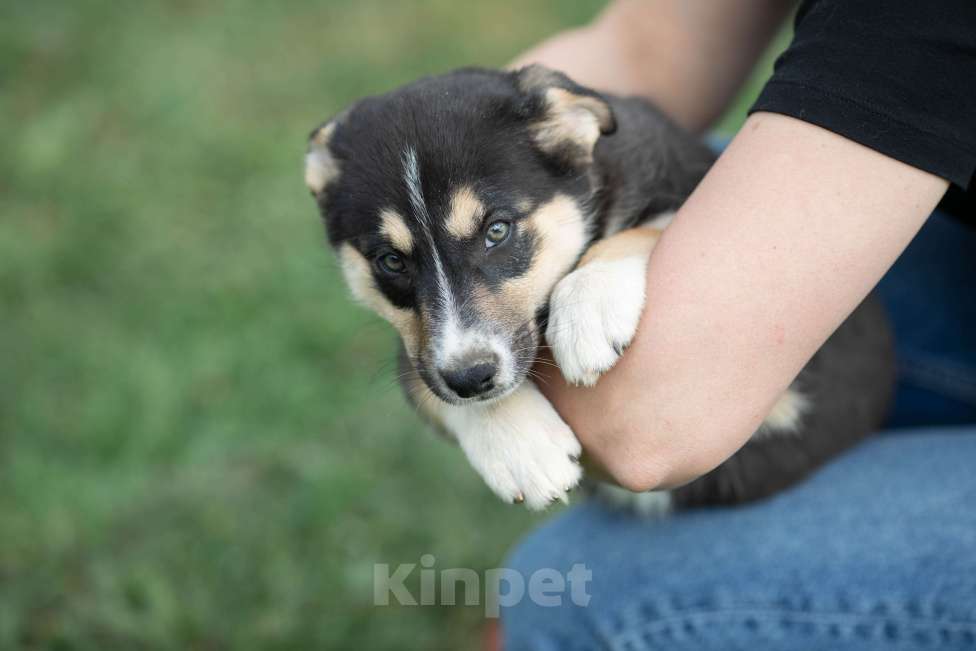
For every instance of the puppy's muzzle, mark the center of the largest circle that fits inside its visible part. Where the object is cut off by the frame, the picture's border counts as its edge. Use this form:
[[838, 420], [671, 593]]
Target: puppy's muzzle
[[469, 379]]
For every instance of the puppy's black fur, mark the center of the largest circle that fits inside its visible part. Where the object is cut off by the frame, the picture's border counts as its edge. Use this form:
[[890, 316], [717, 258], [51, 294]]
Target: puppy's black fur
[[480, 128]]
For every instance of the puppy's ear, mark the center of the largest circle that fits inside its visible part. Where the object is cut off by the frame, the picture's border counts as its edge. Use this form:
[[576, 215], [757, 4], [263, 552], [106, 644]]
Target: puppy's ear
[[567, 119], [321, 166]]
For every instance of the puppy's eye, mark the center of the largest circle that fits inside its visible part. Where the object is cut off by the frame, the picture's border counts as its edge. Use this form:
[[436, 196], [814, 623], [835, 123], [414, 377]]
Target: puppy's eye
[[392, 263], [497, 233]]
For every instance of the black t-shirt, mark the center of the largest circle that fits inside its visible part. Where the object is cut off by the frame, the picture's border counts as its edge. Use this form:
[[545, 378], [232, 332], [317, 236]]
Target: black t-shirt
[[898, 76]]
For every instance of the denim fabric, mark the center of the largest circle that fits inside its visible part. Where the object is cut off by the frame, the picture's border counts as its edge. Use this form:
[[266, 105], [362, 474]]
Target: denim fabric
[[931, 301], [875, 551]]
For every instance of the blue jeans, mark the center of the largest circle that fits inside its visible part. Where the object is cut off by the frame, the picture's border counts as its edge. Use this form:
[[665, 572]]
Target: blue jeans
[[876, 551]]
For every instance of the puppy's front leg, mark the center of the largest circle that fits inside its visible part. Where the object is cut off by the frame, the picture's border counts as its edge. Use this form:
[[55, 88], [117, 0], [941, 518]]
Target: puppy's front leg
[[518, 444], [594, 311]]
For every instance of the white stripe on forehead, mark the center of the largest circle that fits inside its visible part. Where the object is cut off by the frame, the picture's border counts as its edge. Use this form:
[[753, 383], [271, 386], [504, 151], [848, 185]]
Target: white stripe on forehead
[[411, 176], [452, 340]]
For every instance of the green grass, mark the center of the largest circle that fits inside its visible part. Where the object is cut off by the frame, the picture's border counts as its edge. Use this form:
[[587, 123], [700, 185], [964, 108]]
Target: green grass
[[201, 441]]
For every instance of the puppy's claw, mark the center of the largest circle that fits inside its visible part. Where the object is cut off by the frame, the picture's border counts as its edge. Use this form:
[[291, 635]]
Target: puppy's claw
[[518, 499]]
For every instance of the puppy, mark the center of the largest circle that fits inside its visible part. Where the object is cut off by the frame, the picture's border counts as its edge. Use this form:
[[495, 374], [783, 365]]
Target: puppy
[[481, 210]]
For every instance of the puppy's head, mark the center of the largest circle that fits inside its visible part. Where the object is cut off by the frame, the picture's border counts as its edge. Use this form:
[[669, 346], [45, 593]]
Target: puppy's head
[[455, 204]]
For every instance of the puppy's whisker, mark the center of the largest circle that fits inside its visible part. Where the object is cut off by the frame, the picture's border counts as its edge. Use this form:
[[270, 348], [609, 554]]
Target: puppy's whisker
[[536, 377]]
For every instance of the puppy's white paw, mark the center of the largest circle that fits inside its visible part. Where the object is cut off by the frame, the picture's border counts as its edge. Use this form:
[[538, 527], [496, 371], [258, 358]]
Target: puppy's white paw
[[593, 315], [520, 446]]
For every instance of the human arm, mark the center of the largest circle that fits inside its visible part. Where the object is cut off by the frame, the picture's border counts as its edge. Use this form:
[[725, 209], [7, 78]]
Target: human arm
[[786, 234], [690, 58]]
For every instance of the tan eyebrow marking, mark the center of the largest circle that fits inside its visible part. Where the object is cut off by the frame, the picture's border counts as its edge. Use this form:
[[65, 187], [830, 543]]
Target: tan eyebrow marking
[[466, 213], [394, 228]]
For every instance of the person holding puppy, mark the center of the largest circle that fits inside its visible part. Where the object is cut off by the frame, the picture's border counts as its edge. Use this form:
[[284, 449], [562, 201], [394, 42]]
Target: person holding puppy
[[869, 118]]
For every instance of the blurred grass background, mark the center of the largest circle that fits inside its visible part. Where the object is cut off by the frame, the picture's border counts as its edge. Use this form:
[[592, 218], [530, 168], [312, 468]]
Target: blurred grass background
[[201, 441]]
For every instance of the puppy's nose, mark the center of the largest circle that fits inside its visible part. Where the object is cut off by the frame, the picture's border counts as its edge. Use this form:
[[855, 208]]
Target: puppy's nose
[[471, 380]]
